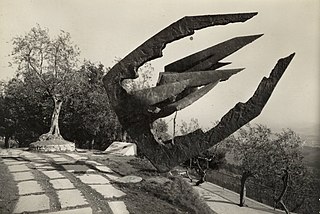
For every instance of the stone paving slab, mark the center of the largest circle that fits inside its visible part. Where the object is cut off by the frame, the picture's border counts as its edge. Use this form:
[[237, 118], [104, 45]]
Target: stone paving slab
[[118, 207], [61, 159], [39, 164], [18, 168], [22, 176], [112, 177], [9, 160], [104, 169], [93, 163], [11, 163], [62, 184], [108, 191], [31, 156], [37, 159], [32, 203], [45, 168], [93, 179], [71, 198], [52, 155], [53, 174], [86, 210], [42, 161], [29, 187], [77, 157], [77, 168]]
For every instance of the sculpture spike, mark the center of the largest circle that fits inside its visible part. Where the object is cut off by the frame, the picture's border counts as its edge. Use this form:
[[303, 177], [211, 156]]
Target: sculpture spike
[[198, 75], [151, 96], [215, 53], [208, 64], [176, 83], [187, 100]]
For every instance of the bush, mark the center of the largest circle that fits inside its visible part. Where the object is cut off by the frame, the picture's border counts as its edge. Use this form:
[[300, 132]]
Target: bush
[[177, 192]]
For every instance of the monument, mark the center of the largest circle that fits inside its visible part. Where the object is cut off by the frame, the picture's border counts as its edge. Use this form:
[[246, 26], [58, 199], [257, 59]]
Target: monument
[[182, 83]]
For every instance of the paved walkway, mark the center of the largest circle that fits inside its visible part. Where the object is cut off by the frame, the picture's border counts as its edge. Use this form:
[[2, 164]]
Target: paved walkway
[[69, 183], [224, 201], [62, 184]]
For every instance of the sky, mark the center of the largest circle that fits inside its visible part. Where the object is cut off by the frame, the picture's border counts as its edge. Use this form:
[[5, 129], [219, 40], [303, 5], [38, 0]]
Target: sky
[[105, 29]]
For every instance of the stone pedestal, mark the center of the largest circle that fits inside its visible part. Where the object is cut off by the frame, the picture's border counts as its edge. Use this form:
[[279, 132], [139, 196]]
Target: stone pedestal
[[53, 146]]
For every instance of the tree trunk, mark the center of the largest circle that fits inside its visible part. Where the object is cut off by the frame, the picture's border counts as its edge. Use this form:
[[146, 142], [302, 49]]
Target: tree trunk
[[285, 180], [54, 132], [174, 127], [243, 190], [6, 142]]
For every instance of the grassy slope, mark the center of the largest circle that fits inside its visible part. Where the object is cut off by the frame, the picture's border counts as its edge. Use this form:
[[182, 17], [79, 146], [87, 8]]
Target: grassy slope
[[157, 193]]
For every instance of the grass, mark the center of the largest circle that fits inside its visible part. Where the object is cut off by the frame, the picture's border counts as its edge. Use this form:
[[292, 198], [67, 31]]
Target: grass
[[8, 191]]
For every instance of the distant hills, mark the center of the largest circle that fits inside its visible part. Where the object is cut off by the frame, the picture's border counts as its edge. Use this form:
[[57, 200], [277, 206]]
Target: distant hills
[[309, 132], [311, 156]]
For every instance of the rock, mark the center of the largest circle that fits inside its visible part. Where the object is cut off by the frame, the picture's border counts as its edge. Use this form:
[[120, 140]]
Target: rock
[[122, 148]]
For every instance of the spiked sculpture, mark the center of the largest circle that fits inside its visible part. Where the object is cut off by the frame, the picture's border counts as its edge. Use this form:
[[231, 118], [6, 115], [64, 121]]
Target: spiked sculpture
[[182, 83]]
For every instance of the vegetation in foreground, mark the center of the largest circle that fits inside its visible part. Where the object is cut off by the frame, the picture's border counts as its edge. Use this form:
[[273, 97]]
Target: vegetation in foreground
[[269, 167]]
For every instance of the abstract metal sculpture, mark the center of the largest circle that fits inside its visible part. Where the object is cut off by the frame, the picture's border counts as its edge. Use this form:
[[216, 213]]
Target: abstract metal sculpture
[[182, 83]]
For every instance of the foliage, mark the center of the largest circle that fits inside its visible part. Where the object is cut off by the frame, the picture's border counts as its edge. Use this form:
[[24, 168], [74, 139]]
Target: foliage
[[178, 192], [47, 66], [146, 74], [160, 129], [265, 156], [212, 159], [87, 115], [45, 61], [186, 128], [144, 80], [24, 111]]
